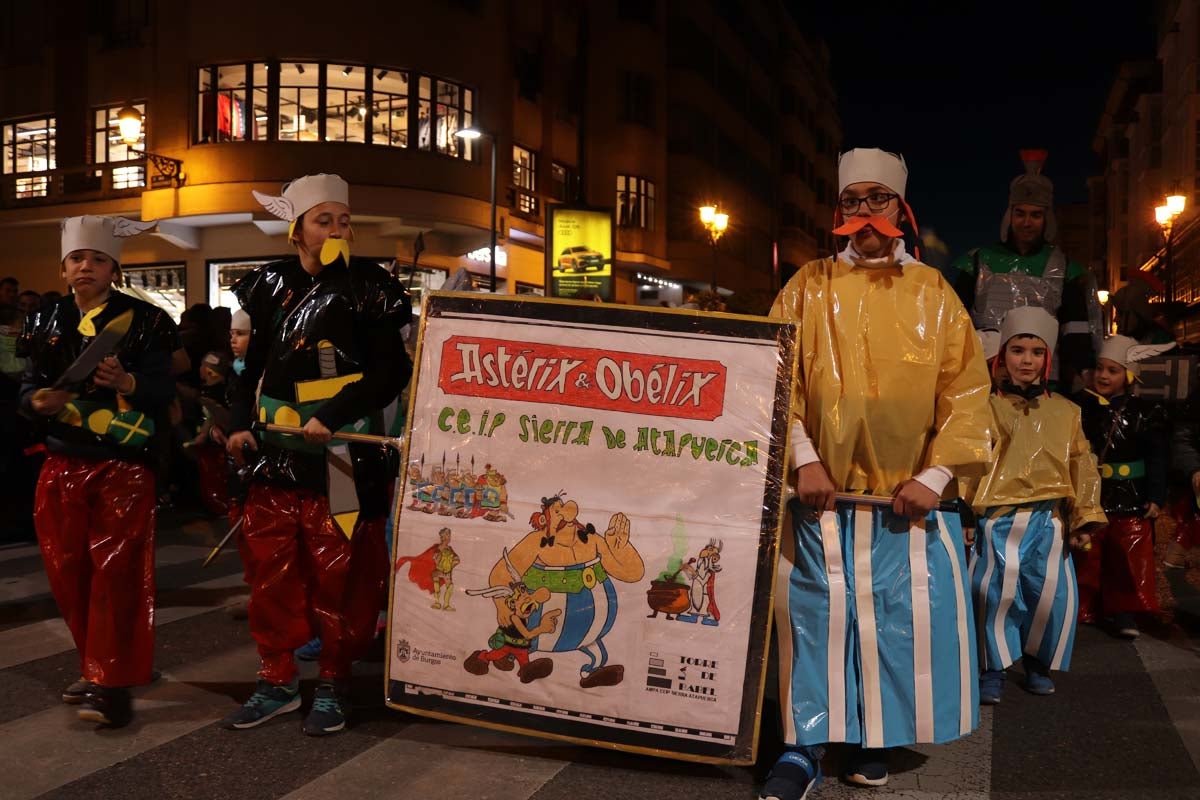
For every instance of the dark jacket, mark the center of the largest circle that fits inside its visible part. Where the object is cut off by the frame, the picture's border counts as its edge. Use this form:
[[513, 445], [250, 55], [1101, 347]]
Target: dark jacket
[[52, 340], [345, 321], [1128, 434]]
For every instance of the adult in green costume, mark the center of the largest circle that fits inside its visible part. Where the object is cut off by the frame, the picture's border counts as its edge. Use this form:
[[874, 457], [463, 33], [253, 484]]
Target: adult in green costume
[[1027, 268]]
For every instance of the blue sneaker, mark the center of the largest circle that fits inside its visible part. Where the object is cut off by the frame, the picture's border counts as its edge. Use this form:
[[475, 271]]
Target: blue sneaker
[[991, 686], [267, 701], [326, 715], [1037, 676], [794, 775], [310, 650]]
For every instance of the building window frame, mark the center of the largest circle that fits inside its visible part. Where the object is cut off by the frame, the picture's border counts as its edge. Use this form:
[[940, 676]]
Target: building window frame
[[108, 147], [171, 298], [524, 165], [635, 202], [33, 180]]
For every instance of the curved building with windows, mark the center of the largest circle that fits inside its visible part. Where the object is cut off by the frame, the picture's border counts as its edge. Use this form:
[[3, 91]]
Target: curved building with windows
[[647, 110]]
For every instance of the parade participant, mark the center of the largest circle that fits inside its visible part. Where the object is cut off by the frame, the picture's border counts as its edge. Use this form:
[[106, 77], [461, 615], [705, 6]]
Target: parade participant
[[1022, 577], [891, 399], [1027, 268], [1128, 434], [327, 350], [1185, 507], [99, 372], [208, 446]]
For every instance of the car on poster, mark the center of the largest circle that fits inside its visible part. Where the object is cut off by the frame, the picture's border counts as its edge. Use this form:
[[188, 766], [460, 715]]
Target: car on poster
[[580, 258]]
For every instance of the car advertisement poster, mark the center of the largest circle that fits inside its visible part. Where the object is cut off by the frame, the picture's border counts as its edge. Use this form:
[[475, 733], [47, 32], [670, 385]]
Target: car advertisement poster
[[588, 523], [579, 257]]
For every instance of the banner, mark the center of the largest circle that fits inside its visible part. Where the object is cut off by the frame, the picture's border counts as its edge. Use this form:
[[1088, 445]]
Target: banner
[[579, 255], [585, 542]]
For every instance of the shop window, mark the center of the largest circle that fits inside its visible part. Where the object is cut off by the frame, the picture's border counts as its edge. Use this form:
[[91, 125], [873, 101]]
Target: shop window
[[345, 104], [389, 108], [164, 285], [29, 148], [635, 202], [442, 115], [108, 146], [299, 102], [224, 113], [524, 165]]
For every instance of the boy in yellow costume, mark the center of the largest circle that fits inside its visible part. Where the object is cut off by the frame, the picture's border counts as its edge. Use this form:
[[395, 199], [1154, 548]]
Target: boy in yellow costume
[[1043, 489], [876, 637]]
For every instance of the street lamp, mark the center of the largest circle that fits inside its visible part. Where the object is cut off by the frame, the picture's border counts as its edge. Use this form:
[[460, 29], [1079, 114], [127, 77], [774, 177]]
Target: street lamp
[[1165, 215], [470, 134], [714, 223], [170, 170]]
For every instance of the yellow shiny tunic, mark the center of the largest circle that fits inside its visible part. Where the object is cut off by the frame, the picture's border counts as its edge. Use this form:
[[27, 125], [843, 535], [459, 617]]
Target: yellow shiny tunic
[[892, 379], [1041, 454]]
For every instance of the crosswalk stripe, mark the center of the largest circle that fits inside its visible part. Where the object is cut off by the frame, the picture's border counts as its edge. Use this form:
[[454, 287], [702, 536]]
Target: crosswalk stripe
[[11, 552], [35, 583], [1173, 671], [54, 748], [431, 760], [51, 636]]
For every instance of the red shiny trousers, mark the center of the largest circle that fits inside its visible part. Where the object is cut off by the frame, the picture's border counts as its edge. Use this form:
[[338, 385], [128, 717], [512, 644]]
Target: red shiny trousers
[[1117, 575], [306, 578], [95, 525], [1187, 520], [214, 477]]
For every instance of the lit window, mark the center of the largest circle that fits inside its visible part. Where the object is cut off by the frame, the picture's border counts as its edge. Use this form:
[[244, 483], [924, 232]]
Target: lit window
[[441, 117], [299, 102], [635, 202], [224, 113], [29, 147], [389, 103], [525, 180], [345, 104], [109, 146], [164, 285]]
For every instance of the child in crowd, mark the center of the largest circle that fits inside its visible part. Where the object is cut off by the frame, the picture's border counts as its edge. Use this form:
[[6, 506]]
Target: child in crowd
[[209, 443], [1128, 435], [1043, 470]]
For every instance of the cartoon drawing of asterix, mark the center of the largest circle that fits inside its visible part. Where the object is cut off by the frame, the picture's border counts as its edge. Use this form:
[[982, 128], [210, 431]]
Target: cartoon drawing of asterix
[[512, 640], [577, 566], [703, 572], [433, 570]]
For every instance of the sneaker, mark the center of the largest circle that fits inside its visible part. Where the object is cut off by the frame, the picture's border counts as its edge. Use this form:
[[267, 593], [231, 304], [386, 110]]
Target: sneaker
[[1037, 677], [794, 775], [73, 695], [267, 701], [111, 706], [326, 715], [991, 686], [867, 767], [310, 650]]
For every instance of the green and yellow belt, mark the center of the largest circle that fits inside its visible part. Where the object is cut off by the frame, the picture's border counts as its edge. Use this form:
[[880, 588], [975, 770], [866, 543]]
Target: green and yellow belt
[[1123, 470]]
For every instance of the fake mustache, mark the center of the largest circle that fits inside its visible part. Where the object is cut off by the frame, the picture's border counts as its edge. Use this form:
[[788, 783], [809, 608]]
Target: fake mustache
[[332, 249], [881, 225]]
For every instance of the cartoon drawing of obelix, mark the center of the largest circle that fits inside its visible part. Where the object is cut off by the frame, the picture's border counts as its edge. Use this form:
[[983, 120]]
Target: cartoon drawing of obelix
[[577, 566]]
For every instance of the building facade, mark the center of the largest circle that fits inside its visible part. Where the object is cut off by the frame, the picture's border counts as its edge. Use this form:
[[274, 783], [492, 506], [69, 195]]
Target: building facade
[[1148, 141], [650, 109]]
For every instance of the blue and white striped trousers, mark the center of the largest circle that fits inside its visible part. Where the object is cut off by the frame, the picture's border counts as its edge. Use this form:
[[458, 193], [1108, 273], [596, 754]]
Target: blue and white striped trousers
[[874, 619], [1023, 582]]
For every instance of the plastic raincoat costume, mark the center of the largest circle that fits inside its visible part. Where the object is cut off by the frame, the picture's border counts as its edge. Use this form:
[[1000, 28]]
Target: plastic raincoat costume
[[325, 346], [873, 610], [95, 499], [1129, 436], [1022, 575]]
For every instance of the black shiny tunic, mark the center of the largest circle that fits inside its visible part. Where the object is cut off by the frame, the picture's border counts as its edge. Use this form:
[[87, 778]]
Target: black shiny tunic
[[1126, 430]]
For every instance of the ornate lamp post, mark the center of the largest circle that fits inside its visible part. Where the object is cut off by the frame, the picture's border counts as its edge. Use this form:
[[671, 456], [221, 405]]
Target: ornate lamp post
[[1165, 215], [170, 170]]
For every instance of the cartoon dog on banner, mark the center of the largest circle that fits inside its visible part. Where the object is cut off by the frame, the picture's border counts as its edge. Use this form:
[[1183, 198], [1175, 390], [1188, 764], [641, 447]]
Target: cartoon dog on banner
[[577, 565]]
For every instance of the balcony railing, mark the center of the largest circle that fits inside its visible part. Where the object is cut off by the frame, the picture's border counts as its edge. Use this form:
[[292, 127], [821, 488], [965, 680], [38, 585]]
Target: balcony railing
[[73, 184]]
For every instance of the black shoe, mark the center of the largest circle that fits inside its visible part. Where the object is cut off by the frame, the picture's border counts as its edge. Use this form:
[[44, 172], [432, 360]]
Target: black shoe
[[1125, 626], [327, 714], [111, 706], [74, 694], [867, 767]]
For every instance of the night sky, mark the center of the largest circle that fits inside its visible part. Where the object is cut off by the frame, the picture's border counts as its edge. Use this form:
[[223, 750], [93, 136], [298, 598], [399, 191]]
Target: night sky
[[958, 92]]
